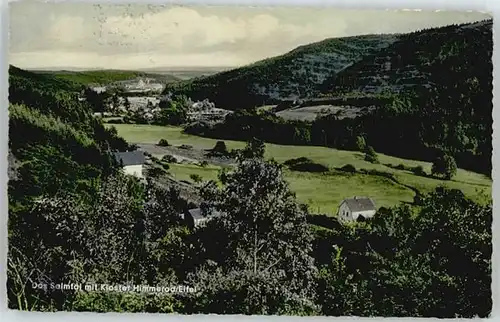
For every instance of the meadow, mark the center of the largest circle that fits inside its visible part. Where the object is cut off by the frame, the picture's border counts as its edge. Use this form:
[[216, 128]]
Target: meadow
[[322, 192]]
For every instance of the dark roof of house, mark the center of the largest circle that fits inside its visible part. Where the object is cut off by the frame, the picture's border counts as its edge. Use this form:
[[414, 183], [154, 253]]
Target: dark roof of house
[[356, 204], [130, 157], [196, 213]]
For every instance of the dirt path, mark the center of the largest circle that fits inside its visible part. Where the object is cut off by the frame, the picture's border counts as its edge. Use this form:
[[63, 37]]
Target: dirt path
[[186, 155]]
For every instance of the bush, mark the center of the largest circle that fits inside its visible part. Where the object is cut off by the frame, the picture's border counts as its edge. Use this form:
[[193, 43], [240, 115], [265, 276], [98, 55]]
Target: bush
[[418, 200], [348, 168], [293, 162], [400, 167], [309, 167], [360, 143], [324, 221], [163, 142], [419, 171], [370, 155], [196, 178], [186, 147], [156, 172], [165, 166], [169, 158], [220, 148], [203, 163], [115, 121], [305, 164], [444, 166]]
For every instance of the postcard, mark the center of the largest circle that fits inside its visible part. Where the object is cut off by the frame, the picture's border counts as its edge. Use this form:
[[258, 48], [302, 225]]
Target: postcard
[[301, 161]]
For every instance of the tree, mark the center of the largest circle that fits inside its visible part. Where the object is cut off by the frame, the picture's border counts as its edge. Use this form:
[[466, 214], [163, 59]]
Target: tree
[[220, 148], [172, 112], [371, 155], [163, 142], [115, 101], [255, 148], [266, 261], [127, 104], [95, 100], [117, 235], [360, 143], [156, 172], [422, 264], [445, 166], [419, 171], [196, 178]]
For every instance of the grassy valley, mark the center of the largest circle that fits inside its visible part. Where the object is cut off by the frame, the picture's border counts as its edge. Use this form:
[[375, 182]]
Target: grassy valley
[[322, 192]]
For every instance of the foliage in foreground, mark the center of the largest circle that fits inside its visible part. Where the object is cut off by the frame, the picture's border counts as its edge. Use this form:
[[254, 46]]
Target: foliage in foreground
[[261, 256]]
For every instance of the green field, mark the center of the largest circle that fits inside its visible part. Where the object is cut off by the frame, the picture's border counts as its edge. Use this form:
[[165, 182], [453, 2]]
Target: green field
[[322, 191]]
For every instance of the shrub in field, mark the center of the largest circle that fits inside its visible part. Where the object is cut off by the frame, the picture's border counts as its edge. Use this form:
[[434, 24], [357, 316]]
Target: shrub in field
[[292, 162], [348, 168], [305, 165], [444, 166], [371, 155], [360, 143], [419, 171], [220, 148], [400, 167], [115, 121], [186, 147], [163, 142], [169, 158], [156, 172], [309, 167], [196, 178]]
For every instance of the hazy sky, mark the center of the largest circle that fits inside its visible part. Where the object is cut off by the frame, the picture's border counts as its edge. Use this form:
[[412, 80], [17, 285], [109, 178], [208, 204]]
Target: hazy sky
[[83, 35]]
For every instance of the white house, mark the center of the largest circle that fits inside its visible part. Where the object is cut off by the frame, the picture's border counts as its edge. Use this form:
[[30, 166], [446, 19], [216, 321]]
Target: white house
[[195, 217], [352, 208], [132, 162]]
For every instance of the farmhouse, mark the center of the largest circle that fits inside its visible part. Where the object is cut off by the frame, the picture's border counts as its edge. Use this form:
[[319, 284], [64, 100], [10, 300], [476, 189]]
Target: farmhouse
[[195, 217], [132, 162], [353, 208]]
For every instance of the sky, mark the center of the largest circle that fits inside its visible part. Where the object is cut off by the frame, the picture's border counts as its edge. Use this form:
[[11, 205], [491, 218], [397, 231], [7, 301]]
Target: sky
[[110, 36]]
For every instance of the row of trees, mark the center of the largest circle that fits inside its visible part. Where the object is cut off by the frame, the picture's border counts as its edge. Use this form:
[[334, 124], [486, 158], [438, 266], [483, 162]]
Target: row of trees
[[379, 131]]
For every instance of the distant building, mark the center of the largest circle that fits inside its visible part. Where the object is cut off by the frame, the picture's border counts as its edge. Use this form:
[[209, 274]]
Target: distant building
[[132, 162], [194, 217], [99, 89], [353, 208]]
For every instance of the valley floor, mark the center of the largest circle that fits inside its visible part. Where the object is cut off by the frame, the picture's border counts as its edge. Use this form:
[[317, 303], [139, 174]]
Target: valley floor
[[322, 192]]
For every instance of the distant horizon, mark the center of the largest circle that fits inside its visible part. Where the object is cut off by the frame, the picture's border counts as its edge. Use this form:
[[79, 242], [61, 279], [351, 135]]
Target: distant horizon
[[147, 69]]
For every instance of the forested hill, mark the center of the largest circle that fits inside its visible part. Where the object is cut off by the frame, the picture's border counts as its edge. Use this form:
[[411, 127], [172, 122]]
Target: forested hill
[[294, 74], [372, 63], [54, 140], [102, 77], [420, 60]]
